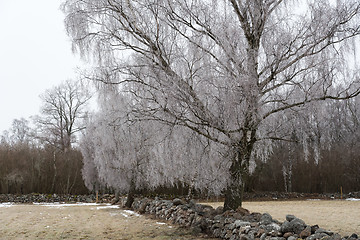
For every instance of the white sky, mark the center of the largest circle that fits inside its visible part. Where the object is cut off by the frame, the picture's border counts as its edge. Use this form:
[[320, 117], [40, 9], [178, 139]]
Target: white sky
[[35, 55]]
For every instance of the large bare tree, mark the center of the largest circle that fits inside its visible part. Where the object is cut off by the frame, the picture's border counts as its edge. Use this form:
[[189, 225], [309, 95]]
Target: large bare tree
[[224, 69], [62, 112]]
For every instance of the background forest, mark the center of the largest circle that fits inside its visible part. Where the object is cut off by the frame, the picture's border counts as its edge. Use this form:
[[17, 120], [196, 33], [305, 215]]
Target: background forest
[[321, 160]]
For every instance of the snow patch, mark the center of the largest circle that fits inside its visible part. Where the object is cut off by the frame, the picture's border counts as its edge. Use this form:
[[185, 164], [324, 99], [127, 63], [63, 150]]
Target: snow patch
[[58, 204], [160, 223], [313, 199], [132, 213], [6, 205], [128, 213], [353, 199], [107, 207]]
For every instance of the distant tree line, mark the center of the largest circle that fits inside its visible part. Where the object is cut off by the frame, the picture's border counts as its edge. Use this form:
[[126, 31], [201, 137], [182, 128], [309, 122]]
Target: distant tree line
[[30, 165], [39, 155]]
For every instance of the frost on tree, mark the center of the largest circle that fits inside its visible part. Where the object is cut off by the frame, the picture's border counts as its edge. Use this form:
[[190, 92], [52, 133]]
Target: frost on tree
[[129, 155], [224, 69]]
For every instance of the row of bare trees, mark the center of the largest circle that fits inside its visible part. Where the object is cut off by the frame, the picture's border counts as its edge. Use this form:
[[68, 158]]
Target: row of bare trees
[[39, 155], [323, 155], [143, 156]]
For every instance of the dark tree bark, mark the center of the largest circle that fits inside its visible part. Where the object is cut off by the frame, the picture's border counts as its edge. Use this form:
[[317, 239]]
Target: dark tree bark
[[131, 195]]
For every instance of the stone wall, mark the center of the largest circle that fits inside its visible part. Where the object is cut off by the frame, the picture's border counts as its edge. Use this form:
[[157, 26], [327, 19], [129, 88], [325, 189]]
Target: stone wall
[[232, 225]]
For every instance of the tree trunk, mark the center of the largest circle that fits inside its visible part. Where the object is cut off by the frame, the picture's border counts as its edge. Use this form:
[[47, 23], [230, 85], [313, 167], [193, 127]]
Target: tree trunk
[[55, 175], [239, 172], [235, 189], [130, 197]]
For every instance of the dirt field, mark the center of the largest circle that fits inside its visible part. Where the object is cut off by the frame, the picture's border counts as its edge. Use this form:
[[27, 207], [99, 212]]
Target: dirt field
[[338, 216], [82, 222], [89, 221]]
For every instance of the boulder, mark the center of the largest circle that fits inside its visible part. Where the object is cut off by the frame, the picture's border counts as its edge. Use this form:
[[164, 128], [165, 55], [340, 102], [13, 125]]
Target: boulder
[[178, 201], [266, 219], [296, 225], [243, 211], [306, 232], [240, 223], [354, 235], [290, 217], [321, 230]]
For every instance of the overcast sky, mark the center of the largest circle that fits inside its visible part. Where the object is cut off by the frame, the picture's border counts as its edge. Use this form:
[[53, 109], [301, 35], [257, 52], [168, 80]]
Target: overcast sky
[[35, 55]]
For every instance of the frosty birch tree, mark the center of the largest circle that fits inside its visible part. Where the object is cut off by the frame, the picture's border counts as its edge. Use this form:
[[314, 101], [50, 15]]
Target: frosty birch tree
[[130, 155], [224, 69]]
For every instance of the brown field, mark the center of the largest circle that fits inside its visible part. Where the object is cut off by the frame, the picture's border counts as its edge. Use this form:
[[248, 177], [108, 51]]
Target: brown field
[[338, 216], [82, 222], [108, 222]]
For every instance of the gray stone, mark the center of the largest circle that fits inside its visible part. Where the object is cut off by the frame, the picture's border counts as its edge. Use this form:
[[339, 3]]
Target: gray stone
[[266, 219], [291, 238], [252, 234], [233, 237], [245, 229], [296, 225], [217, 225], [306, 232], [239, 223], [271, 227], [219, 210], [219, 217], [286, 227], [354, 235], [314, 228], [244, 237], [288, 234], [230, 226], [263, 236], [217, 232], [317, 236], [321, 230], [336, 236], [290, 217], [228, 235]]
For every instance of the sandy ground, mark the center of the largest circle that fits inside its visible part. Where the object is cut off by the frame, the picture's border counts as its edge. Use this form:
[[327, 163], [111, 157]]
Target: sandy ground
[[109, 222], [82, 222], [338, 216]]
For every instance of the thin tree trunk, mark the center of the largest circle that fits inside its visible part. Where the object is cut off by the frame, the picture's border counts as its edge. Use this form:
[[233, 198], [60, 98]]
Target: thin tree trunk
[[55, 174], [130, 197]]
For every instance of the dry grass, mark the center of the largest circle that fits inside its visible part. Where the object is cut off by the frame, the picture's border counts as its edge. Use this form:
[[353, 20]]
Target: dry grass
[[337, 216], [104, 222], [82, 222]]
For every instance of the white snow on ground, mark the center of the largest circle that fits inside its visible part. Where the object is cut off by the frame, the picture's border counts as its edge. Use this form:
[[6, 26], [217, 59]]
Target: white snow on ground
[[125, 215], [128, 213], [107, 206], [353, 199], [313, 199], [8, 204], [132, 213], [57, 204], [160, 223]]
